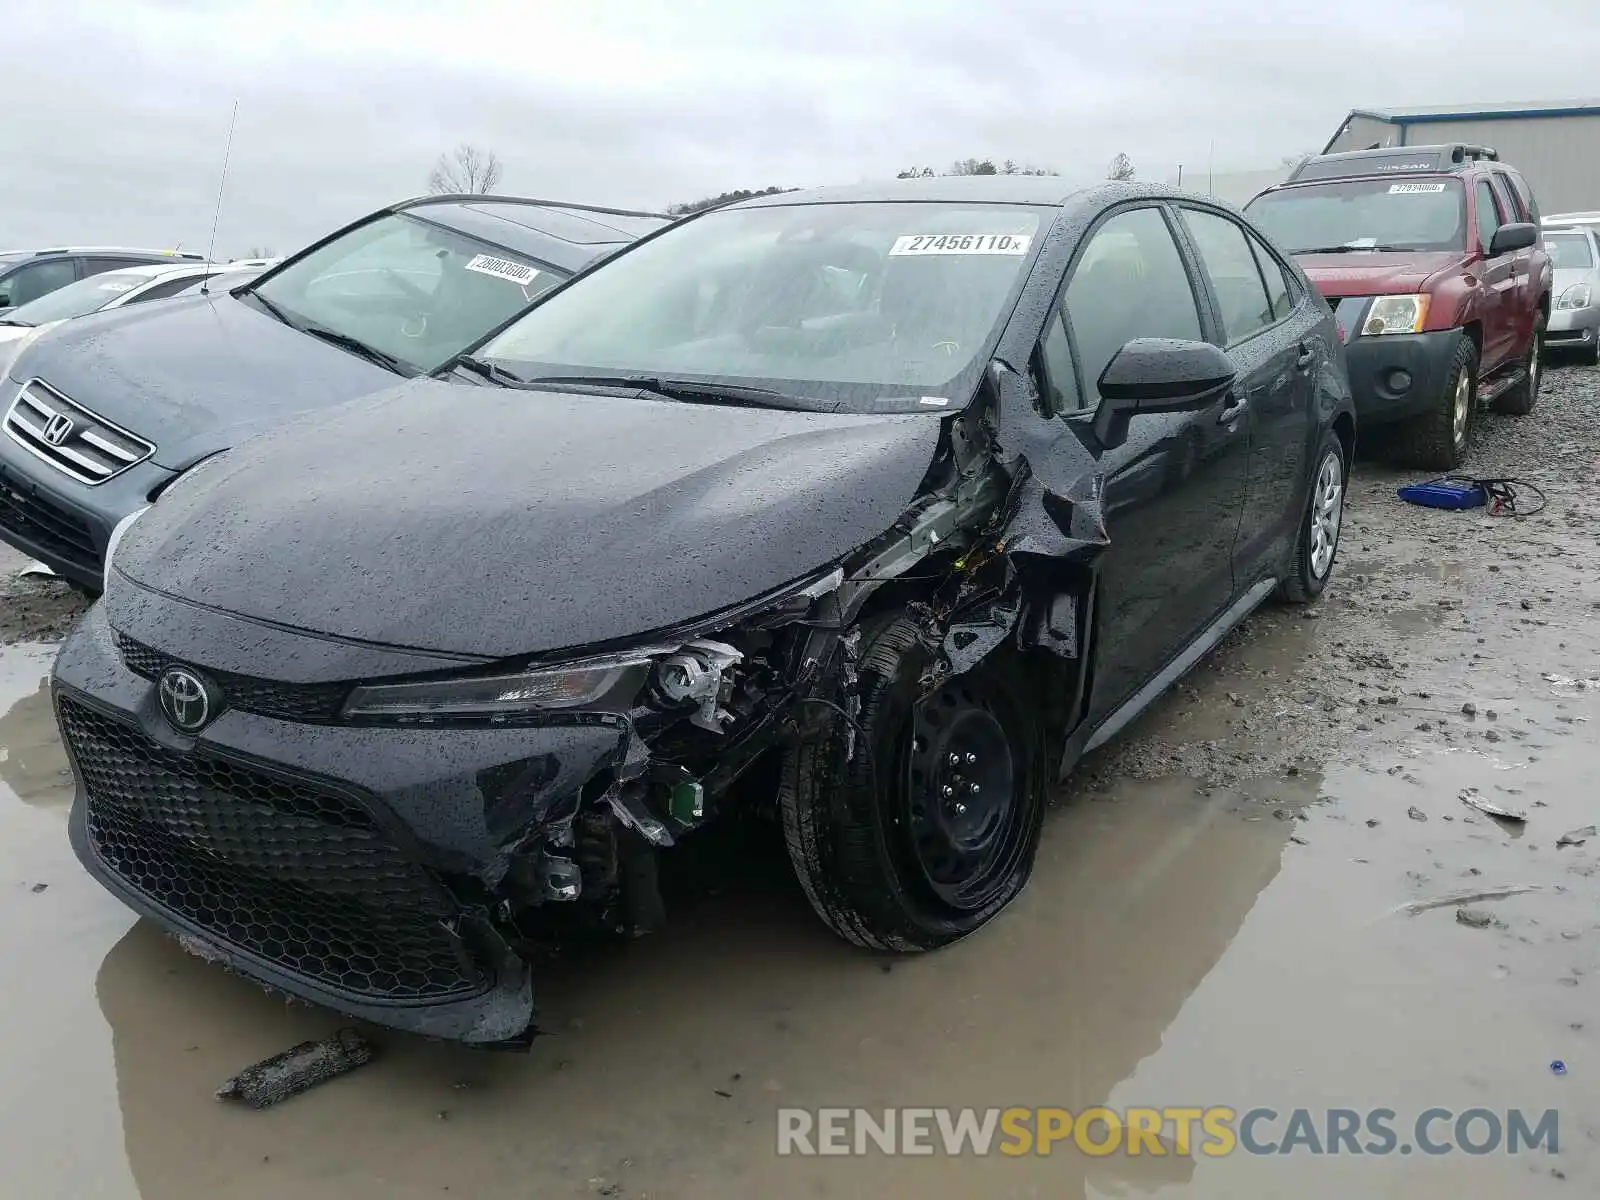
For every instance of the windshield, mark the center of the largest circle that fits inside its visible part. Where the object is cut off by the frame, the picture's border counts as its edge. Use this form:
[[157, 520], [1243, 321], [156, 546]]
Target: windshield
[[837, 305], [1365, 214], [1567, 250], [76, 299], [406, 287]]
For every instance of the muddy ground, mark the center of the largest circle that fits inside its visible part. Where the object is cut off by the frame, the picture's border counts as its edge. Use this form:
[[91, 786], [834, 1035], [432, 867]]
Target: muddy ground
[[1218, 917]]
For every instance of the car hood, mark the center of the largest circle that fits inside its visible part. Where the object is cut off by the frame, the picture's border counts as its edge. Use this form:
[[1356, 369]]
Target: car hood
[[1364, 274], [492, 522], [194, 375], [1560, 280]]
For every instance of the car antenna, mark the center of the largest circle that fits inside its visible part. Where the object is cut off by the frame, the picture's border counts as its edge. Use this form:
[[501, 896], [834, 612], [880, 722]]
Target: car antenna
[[211, 249]]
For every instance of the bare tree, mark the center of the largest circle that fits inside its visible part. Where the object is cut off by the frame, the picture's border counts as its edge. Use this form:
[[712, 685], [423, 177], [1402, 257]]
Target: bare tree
[[466, 169], [973, 166], [1121, 168], [259, 252]]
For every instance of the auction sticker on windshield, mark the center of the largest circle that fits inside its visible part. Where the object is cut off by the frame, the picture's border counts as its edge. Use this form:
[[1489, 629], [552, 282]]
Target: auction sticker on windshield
[[961, 243], [502, 268], [1413, 189]]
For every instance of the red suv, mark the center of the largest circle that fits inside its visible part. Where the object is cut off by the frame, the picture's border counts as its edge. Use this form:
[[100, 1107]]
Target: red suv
[[1431, 259]]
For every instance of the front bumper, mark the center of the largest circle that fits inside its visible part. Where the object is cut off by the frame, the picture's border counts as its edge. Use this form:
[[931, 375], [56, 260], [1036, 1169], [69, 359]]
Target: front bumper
[[358, 868], [1572, 328], [1399, 375], [63, 523]]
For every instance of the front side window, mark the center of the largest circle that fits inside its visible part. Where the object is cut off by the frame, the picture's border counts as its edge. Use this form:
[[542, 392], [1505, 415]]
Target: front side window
[[76, 299], [838, 306], [1488, 216], [1567, 251], [1235, 278], [407, 287], [35, 280], [1352, 215], [1129, 283]]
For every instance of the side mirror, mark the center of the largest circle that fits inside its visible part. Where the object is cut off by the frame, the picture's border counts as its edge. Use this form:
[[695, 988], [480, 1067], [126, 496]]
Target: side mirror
[[1518, 235], [5, 300], [1158, 375]]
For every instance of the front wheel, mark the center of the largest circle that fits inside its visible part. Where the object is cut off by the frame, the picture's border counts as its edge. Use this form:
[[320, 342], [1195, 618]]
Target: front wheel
[[931, 827], [1437, 439], [1317, 545]]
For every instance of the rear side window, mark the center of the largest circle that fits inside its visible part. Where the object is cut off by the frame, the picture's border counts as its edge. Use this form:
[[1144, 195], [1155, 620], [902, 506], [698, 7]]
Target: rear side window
[[1235, 278], [1510, 198], [1130, 283], [167, 287], [1488, 216], [95, 264], [36, 279], [1280, 288]]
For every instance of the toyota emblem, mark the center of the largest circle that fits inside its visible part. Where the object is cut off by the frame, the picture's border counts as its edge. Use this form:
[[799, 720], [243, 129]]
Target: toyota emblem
[[187, 701]]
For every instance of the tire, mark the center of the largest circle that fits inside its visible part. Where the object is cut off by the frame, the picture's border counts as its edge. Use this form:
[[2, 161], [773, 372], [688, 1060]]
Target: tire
[[1316, 546], [1589, 356], [1437, 439], [1519, 401], [854, 828]]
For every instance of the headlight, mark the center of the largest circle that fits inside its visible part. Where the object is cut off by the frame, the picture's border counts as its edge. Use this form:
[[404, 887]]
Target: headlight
[[117, 533], [1576, 296], [608, 684], [1396, 314]]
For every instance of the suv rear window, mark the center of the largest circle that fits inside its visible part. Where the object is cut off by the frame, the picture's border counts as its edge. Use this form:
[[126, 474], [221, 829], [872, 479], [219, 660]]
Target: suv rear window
[[1365, 214]]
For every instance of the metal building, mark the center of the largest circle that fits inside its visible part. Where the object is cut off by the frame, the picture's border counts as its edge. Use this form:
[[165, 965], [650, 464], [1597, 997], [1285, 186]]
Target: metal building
[[1555, 145]]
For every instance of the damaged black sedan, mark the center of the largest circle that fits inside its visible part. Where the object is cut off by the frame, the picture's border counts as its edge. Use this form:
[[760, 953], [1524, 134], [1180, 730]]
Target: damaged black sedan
[[901, 499]]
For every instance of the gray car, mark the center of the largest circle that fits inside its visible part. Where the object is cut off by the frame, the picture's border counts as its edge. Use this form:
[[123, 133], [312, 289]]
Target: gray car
[[1575, 312], [103, 412]]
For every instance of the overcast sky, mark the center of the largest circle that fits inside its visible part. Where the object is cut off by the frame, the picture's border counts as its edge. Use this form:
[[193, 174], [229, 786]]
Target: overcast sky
[[117, 110]]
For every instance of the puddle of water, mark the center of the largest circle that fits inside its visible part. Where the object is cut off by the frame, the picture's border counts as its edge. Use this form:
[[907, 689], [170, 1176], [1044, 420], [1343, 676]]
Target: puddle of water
[[1176, 947]]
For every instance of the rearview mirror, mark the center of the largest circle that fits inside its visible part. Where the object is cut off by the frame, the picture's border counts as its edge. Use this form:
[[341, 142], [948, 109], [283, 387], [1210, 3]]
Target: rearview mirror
[[1157, 375], [1518, 235]]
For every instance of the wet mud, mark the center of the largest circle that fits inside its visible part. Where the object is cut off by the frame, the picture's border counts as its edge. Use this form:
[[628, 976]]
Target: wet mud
[[1249, 899]]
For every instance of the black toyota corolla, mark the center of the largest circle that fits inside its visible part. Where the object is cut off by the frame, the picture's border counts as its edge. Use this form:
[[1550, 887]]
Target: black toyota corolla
[[900, 498]]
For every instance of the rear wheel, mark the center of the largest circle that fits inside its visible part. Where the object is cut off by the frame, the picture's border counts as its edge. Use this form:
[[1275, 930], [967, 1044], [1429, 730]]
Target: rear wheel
[[1320, 526], [931, 828], [1519, 401], [1437, 439]]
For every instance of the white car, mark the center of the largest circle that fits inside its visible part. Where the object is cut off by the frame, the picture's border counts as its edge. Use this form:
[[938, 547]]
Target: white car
[[126, 285]]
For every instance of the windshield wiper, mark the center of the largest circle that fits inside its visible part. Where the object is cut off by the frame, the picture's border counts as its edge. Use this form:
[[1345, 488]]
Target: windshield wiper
[[1381, 247], [673, 389], [273, 309], [21, 324], [491, 371], [371, 353]]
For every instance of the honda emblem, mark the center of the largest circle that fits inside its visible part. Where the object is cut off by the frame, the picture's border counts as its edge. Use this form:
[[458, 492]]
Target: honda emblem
[[59, 429]]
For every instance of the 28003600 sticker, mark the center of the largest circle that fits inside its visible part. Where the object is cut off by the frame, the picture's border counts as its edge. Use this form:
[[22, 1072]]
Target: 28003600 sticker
[[960, 243]]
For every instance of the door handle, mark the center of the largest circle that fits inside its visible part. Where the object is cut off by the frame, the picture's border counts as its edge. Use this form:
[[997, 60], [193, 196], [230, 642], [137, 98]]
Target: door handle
[[1307, 357], [1233, 410]]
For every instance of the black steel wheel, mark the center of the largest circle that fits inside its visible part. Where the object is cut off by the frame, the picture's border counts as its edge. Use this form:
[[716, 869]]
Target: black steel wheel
[[932, 826]]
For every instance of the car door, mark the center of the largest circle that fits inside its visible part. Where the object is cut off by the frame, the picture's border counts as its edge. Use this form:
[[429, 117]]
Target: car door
[[1273, 346], [1497, 275], [1172, 492]]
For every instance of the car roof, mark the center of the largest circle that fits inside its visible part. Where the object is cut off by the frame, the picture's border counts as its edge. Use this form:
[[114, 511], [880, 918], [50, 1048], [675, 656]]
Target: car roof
[[179, 255], [980, 189], [569, 236], [1445, 158]]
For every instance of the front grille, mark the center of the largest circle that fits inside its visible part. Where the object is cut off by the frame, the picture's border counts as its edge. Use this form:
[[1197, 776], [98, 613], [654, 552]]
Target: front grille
[[305, 702], [294, 873], [71, 438], [30, 514]]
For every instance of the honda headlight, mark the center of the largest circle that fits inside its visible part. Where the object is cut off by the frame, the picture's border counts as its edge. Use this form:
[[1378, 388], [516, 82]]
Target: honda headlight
[[606, 684], [1396, 314], [1576, 296]]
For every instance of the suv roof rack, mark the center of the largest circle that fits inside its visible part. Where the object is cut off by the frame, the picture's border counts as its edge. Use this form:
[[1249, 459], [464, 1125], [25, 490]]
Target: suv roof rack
[[1391, 160]]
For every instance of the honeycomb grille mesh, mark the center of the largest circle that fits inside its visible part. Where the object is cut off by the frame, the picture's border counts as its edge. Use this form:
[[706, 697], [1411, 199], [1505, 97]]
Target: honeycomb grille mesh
[[292, 873]]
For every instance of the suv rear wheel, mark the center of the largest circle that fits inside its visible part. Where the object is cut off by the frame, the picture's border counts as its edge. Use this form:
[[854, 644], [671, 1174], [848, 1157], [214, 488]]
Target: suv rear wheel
[[1437, 439], [1519, 401], [931, 827]]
